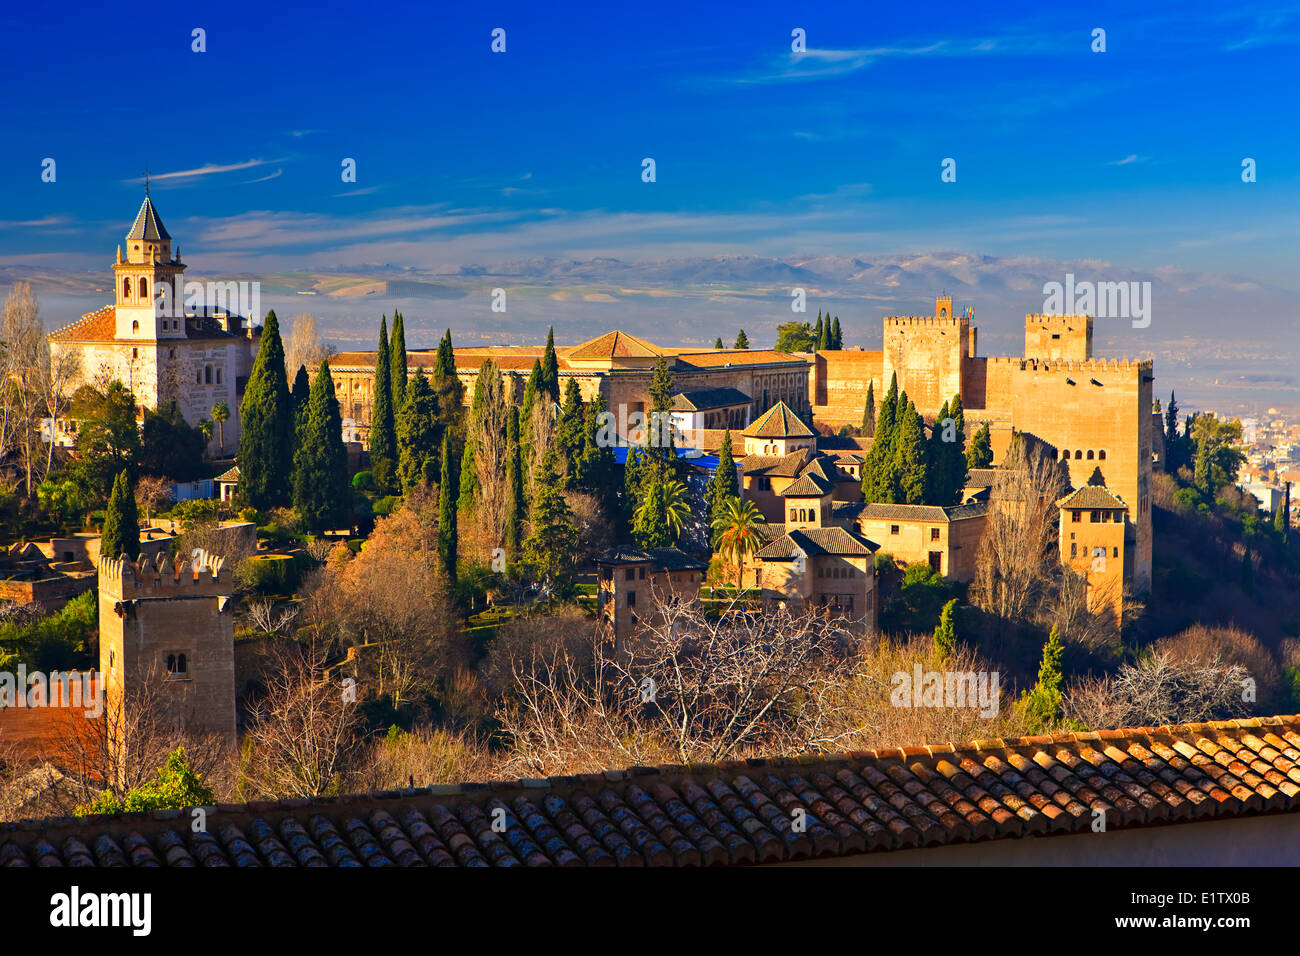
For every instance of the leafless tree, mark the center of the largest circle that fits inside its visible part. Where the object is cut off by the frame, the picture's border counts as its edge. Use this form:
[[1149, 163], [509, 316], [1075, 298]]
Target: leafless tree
[[303, 732], [1015, 568], [304, 346], [26, 369], [541, 431], [1159, 689], [684, 686], [152, 494], [126, 746], [268, 618], [595, 530]]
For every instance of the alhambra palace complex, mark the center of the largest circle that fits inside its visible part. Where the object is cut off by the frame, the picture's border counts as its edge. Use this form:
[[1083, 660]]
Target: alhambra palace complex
[[1094, 415]]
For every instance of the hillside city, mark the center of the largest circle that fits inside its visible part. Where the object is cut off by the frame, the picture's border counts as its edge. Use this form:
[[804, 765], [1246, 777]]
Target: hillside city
[[245, 569]]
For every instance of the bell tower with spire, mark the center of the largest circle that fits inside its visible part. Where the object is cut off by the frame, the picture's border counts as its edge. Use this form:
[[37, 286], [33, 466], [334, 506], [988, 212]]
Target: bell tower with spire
[[145, 280]]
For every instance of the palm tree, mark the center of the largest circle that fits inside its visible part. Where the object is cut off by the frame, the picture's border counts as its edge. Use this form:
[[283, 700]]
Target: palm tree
[[736, 532], [676, 507], [221, 414], [205, 426]]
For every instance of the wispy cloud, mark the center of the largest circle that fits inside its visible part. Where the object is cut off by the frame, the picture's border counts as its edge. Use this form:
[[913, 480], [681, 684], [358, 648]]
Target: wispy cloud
[[275, 175], [1128, 160], [183, 176], [33, 223]]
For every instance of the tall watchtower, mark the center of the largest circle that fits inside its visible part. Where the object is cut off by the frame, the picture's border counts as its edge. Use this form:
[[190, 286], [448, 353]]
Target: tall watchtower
[[166, 630], [928, 354]]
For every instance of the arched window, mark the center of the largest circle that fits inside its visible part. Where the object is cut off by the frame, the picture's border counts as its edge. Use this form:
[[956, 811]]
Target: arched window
[[1090, 454], [180, 664], [207, 375], [1101, 455], [144, 288], [135, 327], [126, 288], [1078, 453], [171, 663], [218, 376]]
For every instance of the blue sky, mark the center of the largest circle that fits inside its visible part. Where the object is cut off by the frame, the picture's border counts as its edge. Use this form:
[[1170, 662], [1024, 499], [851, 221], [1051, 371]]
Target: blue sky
[[1131, 156]]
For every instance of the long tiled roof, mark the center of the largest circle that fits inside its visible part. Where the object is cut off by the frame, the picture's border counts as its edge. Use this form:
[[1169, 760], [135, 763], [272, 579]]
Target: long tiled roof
[[101, 326], [738, 812], [666, 559], [924, 512], [705, 398], [779, 421]]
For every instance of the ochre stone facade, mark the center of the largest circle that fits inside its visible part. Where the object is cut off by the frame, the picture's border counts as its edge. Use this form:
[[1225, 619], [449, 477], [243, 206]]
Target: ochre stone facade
[[172, 623], [1095, 411]]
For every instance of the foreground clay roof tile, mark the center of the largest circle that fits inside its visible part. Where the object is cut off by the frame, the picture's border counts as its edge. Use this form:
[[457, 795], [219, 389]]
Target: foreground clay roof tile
[[737, 812]]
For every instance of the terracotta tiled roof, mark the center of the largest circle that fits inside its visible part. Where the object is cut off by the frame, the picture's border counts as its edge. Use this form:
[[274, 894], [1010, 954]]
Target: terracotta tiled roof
[[724, 357], [779, 421], [1091, 496], [616, 344], [808, 485], [97, 326], [704, 398], [738, 812], [980, 477], [925, 512], [664, 559], [811, 541]]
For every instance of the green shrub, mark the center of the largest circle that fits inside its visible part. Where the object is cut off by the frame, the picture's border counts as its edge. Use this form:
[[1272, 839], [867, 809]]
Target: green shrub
[[274, 535], [386, 505], [363, 481], [269, 573]]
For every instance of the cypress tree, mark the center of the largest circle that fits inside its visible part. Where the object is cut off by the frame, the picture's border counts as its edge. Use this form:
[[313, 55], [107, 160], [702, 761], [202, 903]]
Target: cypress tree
[[824, 340], [398, 371], [383, 431], [419, 433], [663, 449], [321, 492], [300, 395], [980, 452], [724, 484], [956, 457], [869, 410], [468, 480], [742, 340], [514, 485], [598, 470], [1041, 706], [448, 387], [550, 546], [1282, 517], [266, 426], [447, 495], [936, 450], [570, 432], [837, 342], [878, 470], [121, 532], [551, 369], [718, 344], [908, 484], [945, 635], [635, 471], [819, 333]]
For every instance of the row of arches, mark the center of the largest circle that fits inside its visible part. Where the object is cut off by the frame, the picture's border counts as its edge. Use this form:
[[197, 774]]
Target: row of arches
[[1079, 454]]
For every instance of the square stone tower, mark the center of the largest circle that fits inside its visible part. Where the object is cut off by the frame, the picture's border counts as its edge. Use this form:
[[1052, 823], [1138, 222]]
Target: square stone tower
[[169, 624]]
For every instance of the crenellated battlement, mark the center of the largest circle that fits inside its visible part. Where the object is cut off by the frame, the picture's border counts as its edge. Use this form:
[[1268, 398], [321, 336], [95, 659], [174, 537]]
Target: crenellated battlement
[[1086, 365], [199, 575], [1052, 319], [923, 322]]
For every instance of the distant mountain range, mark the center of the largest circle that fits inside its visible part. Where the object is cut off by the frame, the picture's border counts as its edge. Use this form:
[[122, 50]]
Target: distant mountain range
[[1204, 326]]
